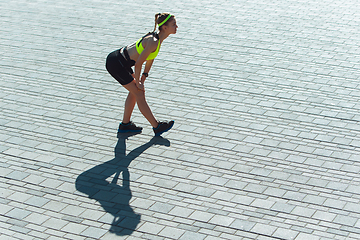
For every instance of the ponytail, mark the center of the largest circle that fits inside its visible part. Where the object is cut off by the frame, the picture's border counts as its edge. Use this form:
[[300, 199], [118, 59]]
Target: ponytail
[[156, 20]]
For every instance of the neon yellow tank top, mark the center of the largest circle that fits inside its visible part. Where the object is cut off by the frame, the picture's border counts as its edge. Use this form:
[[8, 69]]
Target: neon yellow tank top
[[140, 47]]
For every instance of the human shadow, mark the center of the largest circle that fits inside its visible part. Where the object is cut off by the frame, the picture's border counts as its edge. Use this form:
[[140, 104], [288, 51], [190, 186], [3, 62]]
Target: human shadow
[[115, 198]]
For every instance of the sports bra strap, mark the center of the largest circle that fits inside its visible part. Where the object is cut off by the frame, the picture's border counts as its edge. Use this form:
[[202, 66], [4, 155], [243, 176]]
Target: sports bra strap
[[149, 33]]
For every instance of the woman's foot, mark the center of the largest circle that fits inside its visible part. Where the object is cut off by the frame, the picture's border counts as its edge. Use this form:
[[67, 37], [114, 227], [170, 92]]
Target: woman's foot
[[129, 127], [163, 127]]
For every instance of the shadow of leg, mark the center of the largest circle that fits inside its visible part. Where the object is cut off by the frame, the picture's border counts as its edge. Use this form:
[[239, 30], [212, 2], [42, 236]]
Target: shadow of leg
[[114, 198]]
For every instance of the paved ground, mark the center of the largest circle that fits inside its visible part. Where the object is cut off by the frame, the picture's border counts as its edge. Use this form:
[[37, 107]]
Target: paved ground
[[265, 95]]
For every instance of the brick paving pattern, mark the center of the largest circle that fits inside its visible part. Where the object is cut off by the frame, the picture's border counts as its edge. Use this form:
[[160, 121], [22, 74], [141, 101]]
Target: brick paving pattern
[[265, 96]]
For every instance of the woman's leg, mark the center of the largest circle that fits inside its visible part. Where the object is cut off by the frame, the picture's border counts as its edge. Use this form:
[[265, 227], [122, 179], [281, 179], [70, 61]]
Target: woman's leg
[[141, 102], [129, 107]]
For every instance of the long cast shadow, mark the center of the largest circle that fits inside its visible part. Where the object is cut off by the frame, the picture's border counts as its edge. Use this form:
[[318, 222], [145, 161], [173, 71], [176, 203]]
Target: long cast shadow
[[113, 197]]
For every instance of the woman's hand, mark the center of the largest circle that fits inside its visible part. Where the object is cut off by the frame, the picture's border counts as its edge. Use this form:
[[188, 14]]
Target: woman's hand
[[140, 86]]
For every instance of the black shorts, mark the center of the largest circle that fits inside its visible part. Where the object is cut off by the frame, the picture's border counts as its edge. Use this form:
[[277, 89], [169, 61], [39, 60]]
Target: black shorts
[[119, 68]]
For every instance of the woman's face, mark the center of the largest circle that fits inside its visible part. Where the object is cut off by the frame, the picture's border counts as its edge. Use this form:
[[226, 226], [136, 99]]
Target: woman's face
[[171, 26]]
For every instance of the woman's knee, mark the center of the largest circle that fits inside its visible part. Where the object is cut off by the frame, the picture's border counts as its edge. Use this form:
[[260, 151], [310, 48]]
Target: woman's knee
[[139, 94], [133, 89]]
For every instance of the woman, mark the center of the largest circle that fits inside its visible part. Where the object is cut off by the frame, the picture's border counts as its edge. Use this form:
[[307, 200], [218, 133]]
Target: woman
[[119, 63]]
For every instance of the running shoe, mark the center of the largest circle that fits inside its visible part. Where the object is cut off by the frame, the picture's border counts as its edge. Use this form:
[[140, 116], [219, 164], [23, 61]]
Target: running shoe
[[129, 128], [163, 127]]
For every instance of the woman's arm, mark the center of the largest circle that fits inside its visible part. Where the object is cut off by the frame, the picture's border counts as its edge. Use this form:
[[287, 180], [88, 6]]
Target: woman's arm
[[151, 46], [146, 69]]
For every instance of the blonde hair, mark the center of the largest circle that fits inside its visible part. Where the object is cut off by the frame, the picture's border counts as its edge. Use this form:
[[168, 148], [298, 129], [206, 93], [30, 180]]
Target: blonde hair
[[160, 17]]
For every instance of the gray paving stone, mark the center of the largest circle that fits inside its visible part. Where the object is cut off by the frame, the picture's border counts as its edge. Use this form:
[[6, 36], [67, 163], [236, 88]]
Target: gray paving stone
[[325, 216], [243, 199], [93, 232], [37, 201], [255, 188], [334, 203], [161, 207], [314, 199], [201, 216], [282, 207], [202, 191], [181, 211], [266, 114], [263, 229], [223, 195], [345, 220], [243, 225], [19, 196], [171, 232], [303, 211], [54, 223], [151, 228], [17, 175], [18, 213], [285, 233], [74, 228], [192, 236]]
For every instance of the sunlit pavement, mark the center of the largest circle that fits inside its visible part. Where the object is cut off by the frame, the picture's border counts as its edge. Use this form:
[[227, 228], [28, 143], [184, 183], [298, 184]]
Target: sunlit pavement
[[265, 97]]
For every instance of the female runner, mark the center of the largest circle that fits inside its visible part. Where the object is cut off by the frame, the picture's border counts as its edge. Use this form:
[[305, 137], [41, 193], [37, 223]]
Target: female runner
[[120, 62]]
